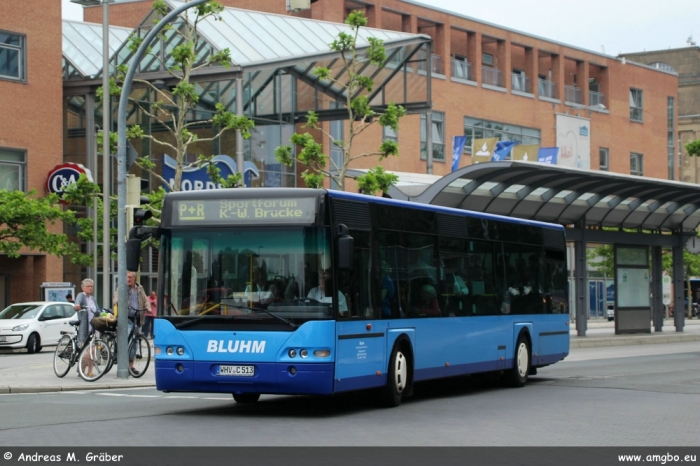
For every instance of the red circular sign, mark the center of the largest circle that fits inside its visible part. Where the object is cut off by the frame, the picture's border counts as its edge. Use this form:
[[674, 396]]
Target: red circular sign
[[64, 174]]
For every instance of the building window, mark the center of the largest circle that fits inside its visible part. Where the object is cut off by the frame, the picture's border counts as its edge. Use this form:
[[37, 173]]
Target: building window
[[389, 134], [636, 105], [475, 128], [12, 170], [487, 59], [636, 164], [604, 155], [12, 56], [438, 137]]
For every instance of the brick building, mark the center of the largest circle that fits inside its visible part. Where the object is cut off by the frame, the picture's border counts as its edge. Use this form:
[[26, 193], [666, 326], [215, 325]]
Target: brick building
[[31, 130], [490, 81], [487, 81], [686, 62]]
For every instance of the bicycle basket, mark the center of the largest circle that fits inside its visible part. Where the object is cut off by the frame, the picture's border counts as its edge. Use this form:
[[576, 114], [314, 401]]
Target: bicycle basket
[[102, 324]]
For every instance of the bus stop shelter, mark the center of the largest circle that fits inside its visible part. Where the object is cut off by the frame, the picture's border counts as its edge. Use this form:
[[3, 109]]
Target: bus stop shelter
[[594, 206]]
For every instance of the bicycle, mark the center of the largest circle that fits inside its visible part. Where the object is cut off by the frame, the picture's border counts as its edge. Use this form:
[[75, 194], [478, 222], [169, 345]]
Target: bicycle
[[139, 349], [93, 352]]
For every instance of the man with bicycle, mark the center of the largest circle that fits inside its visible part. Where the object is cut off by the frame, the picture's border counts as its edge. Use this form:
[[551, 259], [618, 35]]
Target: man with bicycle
[[138, 301]]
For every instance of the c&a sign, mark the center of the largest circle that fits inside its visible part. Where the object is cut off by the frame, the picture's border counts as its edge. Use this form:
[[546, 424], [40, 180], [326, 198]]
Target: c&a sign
[[64, 174]]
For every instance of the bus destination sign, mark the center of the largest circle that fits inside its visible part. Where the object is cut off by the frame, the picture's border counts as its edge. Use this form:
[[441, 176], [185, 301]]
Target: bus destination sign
[[244, 211]]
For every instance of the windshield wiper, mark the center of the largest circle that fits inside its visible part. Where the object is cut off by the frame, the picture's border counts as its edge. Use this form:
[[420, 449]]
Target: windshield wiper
[[280, 318], [254, 309], [187, 323]]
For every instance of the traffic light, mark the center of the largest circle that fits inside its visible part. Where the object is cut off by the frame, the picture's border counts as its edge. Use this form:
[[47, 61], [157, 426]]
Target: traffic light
[[140, 217]]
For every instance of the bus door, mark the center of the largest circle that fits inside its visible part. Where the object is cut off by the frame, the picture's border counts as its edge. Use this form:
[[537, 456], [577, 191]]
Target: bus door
[[360, 355]]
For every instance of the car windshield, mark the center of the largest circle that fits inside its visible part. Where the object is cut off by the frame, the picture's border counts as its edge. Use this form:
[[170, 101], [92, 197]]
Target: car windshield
[[265, 273], [20, 311]]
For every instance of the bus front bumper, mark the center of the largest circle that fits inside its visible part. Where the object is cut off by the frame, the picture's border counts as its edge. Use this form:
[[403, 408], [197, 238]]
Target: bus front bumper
[[273, 378]]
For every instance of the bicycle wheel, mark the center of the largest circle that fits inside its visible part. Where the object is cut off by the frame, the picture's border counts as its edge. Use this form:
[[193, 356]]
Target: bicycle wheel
[[139, 355], [111, 342], [63, 356], [93, 360]]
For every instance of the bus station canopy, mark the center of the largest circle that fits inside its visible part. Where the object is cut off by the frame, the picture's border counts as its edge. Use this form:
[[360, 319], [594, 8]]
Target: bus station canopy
[[562, 195]]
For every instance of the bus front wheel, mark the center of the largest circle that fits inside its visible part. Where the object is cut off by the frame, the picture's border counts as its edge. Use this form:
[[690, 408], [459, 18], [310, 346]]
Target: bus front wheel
[[246, 397], [397, 378], [517, 377]]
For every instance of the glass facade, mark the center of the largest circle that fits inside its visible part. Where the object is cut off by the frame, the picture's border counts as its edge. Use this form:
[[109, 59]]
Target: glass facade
[[476, 128]]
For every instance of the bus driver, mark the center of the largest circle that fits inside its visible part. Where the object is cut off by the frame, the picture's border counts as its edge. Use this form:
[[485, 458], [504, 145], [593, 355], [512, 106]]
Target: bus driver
[[319, 293]]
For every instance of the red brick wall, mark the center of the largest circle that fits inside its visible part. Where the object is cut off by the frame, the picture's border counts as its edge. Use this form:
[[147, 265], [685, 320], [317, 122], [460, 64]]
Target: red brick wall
[[613, 130], [31, 118]]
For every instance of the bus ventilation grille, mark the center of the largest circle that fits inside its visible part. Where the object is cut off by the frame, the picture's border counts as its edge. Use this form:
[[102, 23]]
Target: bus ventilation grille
[[554, 240], [355, 215], [452, 225]]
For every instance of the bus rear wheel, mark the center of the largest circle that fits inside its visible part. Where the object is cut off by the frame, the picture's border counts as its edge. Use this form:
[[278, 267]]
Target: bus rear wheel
[[397, 378], [517, 376], [246, 397]]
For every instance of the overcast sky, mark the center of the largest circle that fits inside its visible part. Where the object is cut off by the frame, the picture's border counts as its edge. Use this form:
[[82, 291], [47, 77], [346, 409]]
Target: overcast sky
[[609, 26]]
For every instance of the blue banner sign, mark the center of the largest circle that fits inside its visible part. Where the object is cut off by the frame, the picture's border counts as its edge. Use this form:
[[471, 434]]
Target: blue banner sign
[[197, 179]]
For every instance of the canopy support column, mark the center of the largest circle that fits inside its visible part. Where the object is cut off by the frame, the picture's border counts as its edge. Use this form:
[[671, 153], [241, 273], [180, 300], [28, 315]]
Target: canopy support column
[[580, 275], [657, 303]]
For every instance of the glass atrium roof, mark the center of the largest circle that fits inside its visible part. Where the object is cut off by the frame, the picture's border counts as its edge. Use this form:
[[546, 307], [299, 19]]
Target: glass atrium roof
[[267, 39], [256, 40], [82, 47]]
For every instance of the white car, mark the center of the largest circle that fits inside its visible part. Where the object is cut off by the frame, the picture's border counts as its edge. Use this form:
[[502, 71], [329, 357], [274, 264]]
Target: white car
[[35, 324]]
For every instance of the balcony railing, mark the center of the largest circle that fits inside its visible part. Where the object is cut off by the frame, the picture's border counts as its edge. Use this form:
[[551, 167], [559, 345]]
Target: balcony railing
[[547, 88], [520, 82], [462, 69], [491, 76], [573, 94], [596, 98], [435, 62]]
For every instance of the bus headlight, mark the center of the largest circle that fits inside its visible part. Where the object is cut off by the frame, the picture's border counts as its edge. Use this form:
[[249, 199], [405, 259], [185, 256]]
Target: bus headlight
[[303, 353], [292, 353], [180, 350], [322, 353], [169, 350]]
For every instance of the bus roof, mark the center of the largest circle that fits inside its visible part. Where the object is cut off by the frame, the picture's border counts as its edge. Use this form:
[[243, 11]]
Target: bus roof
[[433, 208]]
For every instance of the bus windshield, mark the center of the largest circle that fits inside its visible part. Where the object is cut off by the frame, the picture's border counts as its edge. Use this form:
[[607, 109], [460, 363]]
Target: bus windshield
[[268, 271]]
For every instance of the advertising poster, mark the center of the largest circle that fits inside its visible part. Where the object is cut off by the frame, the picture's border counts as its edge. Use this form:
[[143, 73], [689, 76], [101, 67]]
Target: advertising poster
[[574, 141]]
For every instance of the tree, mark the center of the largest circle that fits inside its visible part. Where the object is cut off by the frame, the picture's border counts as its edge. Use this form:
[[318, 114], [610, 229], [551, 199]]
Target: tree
[[24, 219], [693, 148], [172, 107], [360, 115]]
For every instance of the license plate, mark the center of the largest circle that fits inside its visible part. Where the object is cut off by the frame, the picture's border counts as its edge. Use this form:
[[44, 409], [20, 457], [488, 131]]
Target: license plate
[[3, 339], [241, 371]]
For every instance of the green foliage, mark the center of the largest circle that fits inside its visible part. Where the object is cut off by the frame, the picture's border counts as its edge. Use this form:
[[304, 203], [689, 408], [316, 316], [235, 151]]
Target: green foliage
[[693, 148], [114, 90], [376, 180], [360, 115], [113, 142], [25, 219], [173, 105], [232, 181]]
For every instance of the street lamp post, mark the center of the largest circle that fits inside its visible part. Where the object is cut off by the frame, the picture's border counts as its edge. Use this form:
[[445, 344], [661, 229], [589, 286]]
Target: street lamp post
[[122, 359], [106, 165]]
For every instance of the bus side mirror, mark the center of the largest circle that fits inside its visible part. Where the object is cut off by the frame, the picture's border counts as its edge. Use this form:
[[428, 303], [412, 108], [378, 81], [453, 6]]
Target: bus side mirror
[[133, 254], [345, 244], [345, 247]]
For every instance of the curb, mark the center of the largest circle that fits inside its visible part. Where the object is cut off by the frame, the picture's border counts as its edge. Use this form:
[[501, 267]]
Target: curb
[[4, 389], [595, 342]]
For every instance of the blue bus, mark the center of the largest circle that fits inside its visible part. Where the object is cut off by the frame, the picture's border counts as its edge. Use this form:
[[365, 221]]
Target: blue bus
[[313, 291]]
